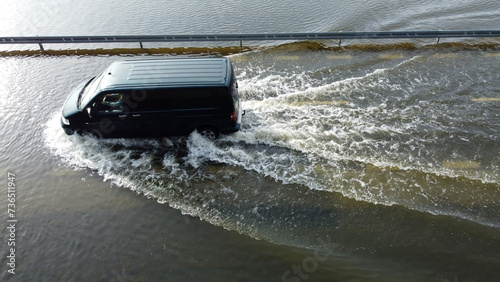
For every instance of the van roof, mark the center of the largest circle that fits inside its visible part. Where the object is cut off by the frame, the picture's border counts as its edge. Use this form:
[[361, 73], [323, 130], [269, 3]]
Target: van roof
[[134, 74]]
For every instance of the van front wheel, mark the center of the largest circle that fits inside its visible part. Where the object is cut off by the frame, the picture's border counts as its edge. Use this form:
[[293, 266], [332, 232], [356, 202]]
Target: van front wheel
[[209, 132], [90, 133]]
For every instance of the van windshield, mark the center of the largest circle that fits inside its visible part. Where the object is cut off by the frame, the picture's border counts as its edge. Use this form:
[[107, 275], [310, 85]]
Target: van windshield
[[89, 91]]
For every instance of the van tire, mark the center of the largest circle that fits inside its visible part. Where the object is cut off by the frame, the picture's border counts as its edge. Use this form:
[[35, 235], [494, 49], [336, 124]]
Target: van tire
[[209, 132], [91, 133]]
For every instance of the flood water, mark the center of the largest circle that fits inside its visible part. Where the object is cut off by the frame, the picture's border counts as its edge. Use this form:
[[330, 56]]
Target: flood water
[[378, 161]]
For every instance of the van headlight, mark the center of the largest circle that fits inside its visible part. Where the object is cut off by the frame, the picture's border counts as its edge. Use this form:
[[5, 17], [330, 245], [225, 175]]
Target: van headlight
[[64, 120]]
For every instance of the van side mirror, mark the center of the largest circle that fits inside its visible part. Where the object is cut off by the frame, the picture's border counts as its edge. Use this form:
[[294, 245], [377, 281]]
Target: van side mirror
[[89, 111]]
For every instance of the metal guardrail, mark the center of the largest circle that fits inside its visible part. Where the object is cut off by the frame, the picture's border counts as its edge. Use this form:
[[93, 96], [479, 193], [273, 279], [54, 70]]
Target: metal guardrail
[[40, 40]]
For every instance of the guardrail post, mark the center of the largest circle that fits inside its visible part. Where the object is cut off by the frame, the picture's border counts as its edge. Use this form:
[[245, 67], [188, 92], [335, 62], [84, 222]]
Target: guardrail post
[[41, 47], [140, 43]]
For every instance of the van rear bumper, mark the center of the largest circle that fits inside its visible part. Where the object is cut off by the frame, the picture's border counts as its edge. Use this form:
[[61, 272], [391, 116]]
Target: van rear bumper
[[232, 129]]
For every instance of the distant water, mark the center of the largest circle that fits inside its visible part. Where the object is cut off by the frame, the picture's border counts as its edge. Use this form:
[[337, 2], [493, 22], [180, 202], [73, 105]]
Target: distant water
[[64, 17], [366, 164]]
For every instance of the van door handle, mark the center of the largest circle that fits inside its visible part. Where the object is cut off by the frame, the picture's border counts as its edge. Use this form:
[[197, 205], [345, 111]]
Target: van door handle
[[122, 116], [137, 115]]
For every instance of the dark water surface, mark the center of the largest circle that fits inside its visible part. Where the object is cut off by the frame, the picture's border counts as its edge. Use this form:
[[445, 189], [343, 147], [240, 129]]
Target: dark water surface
[[361, 164]]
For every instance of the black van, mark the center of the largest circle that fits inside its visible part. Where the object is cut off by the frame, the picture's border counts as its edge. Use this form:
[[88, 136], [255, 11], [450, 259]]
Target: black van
[[162, 97]]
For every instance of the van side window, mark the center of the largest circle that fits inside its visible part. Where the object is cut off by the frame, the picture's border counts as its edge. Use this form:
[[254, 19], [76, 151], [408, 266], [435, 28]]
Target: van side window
[[153, 100], [109, 103], [193, 98], [184, 98]]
